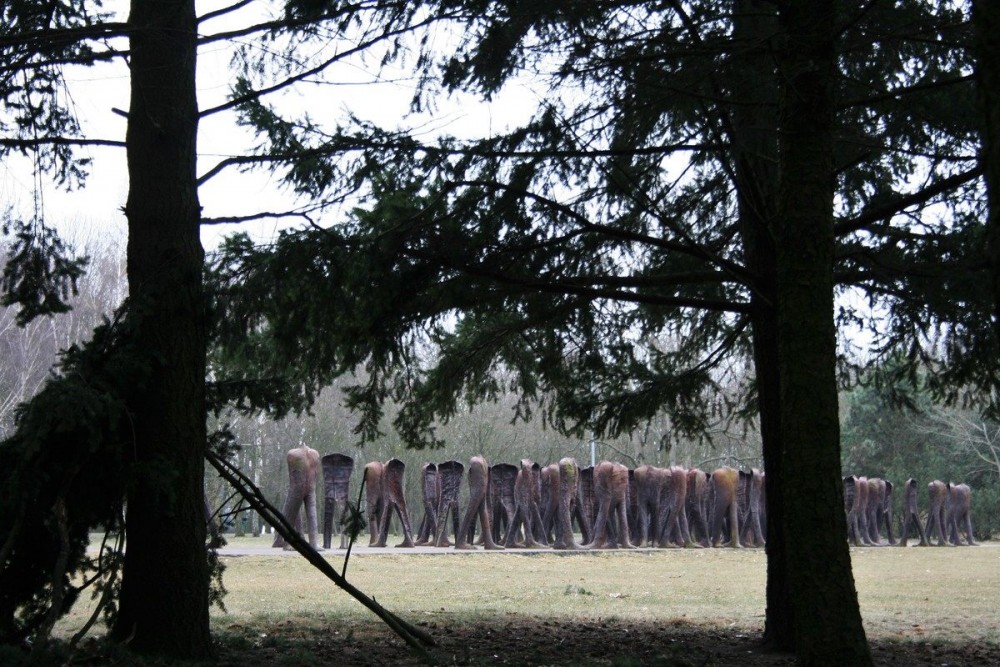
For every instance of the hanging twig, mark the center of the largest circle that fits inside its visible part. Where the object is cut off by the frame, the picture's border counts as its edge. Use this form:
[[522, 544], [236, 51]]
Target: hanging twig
[[352, 527], [413, 636]]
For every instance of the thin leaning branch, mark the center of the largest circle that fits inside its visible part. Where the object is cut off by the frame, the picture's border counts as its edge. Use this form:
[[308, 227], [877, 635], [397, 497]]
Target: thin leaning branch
[[898, 204], [415, 638], [36, 142]]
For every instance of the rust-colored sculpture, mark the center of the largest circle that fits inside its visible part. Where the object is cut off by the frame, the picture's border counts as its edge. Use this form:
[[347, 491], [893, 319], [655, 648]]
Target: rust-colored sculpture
[[959, 516], [584, 512], [394, 499], [569, 483], [337, 470], [303, 472], [549, 499], [752, 490], [479, 481], [911, 519], [611, 492], [937, 515], [502, 505], [876, 496], [431, 489], [374, 499], [724, 484], [673, 530], [525, 510], [697, 507], [649, 483], [856, 505], [632, 511], [450, 482]]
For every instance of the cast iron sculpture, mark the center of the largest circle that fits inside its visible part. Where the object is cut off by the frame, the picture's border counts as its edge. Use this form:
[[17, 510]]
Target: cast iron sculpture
[[937, 515], [751, 492], [394, 499], [303, 472], [450, 482], [502, 505], [569, 483], [959, 516], [586, 509], [649, 482], [479, 481], [337, 470], [911, 519], [697, 507], [724, 483], [856, 505], [525, 511], [611, 492], [374, 499], [673, 530], [431, 490]]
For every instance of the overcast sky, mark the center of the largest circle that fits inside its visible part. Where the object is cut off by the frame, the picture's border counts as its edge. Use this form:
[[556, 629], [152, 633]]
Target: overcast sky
[[95, 91]]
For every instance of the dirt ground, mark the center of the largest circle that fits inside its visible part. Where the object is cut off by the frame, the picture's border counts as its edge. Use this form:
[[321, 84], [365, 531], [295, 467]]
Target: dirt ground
[[528, 641]]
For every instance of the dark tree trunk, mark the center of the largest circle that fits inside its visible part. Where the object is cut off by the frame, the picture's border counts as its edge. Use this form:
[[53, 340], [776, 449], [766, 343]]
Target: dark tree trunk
[[826, 618], [164, 596], [986, 18], [755, 155]]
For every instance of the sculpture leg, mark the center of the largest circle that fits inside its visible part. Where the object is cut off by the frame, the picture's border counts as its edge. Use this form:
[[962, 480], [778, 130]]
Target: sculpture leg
[[291, 513], [407, 532], [623, 539], [442, 535], [328, 512], [311, 518]]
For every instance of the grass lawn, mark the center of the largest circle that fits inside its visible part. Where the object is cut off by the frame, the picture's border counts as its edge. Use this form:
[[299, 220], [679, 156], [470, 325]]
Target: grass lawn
[[933, 604]]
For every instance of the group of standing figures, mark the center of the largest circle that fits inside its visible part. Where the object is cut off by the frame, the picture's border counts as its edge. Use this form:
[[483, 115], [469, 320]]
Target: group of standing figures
[[531, 506], [609, 505], [868, 502]]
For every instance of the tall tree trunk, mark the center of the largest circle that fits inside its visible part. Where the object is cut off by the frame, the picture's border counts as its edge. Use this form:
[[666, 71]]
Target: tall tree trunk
[[164, 598], [986, 19], [754, 139], [827, 620]]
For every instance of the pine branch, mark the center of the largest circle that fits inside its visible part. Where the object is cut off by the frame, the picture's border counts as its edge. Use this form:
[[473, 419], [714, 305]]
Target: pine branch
[[36, 142], [886, 210], [65, 35]]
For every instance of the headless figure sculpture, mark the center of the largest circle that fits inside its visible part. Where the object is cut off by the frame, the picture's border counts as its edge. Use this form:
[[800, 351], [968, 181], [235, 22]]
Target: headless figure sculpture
[[502, 504], [911, 519], [525, 510], [937, 516], [450, 475], [569, 488], [394, 499], [303, 471], [337, 469], [611, 490], [586, 510], [479, 481], [432, 498]]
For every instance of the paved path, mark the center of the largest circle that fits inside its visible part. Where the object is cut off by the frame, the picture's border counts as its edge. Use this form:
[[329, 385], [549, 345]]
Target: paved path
[[391, 551]]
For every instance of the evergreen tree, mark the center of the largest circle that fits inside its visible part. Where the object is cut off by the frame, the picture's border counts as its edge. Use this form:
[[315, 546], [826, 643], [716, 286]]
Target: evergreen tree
[[148, 425], [569, 250]]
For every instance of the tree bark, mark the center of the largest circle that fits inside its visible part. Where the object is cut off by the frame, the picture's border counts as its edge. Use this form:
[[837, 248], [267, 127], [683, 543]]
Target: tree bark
[[754, 139], [164, 596], [986, 20], [826, 618]]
